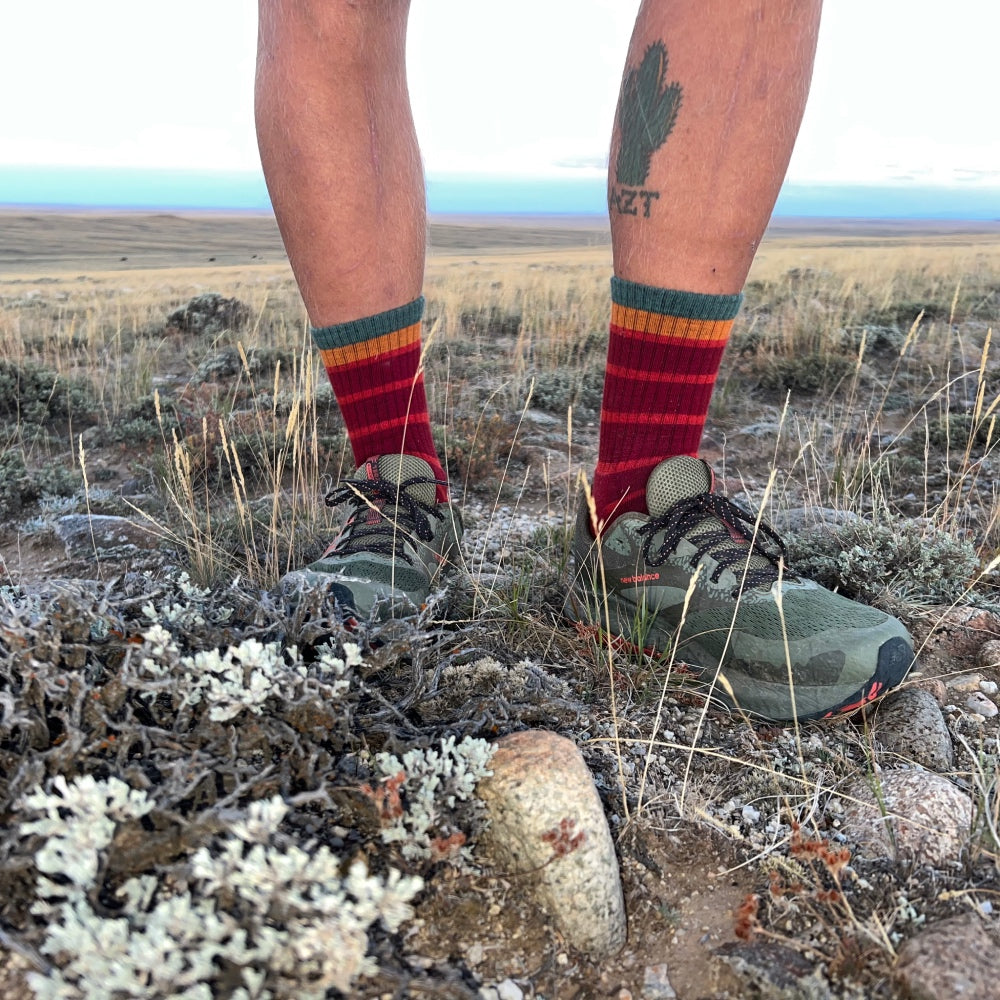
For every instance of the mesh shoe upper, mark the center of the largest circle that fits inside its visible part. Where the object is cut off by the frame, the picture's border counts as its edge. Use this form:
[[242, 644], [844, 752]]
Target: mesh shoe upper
[[744, 614], [394, 542]]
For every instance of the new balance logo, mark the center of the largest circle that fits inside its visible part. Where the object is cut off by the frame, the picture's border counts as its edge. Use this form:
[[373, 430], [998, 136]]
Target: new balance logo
[[641, 578]]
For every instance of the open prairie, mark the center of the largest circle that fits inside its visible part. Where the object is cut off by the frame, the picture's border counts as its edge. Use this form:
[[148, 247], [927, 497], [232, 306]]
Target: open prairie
[[168, 440]]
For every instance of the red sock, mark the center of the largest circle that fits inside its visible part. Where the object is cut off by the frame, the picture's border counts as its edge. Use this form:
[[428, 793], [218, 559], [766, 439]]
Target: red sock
[[663, 357], [374, 368]]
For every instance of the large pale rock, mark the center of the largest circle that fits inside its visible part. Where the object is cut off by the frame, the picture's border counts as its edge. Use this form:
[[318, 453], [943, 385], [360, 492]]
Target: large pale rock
[[910, 725], [547, 824], [953, 958], [917, 814], [103, 536]]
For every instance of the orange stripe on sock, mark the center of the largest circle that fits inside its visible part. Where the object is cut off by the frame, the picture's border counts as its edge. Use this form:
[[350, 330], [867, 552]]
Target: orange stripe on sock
[[680, 337], [385, 346], [640, 321]]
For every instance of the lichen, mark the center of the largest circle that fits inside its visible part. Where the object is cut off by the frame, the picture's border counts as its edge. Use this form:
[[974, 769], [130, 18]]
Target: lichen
[[433, 782], [257, 915]]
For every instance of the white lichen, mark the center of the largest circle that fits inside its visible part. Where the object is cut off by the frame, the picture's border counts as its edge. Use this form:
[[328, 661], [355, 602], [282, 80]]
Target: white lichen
[[256, 916], [243, 677], [189, 608], [79, 821], [432, 779]]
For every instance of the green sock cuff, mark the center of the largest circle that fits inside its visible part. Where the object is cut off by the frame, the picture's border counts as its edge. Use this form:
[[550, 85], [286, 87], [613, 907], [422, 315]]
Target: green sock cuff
[[359, 330], [668, 302]]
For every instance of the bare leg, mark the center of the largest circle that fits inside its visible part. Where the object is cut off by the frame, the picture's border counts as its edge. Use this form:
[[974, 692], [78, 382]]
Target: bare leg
[[340, 153], [709, 108], [742, 68]]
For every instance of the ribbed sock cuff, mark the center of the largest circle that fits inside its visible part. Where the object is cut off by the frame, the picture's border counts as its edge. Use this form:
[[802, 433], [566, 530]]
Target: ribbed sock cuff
[[359, 330], [668, 302]]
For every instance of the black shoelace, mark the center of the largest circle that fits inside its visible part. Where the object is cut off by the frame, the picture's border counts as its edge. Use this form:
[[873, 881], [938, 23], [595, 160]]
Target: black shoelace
[[736, 529], [364, 532]]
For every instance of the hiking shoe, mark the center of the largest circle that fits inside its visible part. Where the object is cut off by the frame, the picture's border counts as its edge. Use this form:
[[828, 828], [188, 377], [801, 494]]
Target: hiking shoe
[[750, 627], [394, 545]]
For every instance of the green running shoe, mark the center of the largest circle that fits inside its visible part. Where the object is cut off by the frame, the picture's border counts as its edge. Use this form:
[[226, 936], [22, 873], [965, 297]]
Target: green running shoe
[[774, 644], [394, 545]]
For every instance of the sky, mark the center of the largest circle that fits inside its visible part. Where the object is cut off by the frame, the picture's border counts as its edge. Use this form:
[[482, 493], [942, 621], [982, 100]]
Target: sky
[[904, 91]]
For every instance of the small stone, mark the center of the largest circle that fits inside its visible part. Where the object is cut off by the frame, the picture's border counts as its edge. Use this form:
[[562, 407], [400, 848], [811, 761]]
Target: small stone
[[547, 821], [933, 686], [964, 683], [509, 990], [952, 958], [656, 985], [989, 687], [909, 724], [978, 702], [989, 655], [917, 814]]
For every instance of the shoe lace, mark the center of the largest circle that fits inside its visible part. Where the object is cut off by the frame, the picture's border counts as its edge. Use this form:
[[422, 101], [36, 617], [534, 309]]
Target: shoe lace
[[370, 528], [727, 539]]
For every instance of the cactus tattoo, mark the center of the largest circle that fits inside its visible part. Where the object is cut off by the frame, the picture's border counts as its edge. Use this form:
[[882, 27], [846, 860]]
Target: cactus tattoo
[[647, 112]]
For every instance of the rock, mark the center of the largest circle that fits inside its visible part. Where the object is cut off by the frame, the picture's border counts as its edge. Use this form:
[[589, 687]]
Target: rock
[[989, 687], [656, 984], [210, 314], [934, 686], [548, 825], [811, 519], [775, 972], [543, 419], [949, 639], [509, 990], [909, 723], [989, 655], [917, 814], [952, 958], [978, 702], [963, 684], [104, 536]]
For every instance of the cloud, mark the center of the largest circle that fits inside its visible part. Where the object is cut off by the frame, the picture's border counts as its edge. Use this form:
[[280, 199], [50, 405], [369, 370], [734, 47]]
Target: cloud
[[583, 163]]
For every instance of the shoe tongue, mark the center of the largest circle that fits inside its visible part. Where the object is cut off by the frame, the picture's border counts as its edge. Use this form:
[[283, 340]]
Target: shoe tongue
[[399, 468], [684, 476], [675, 479]]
